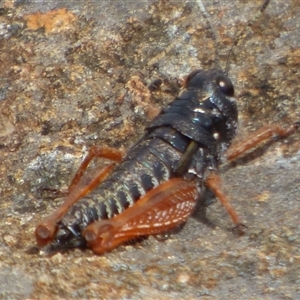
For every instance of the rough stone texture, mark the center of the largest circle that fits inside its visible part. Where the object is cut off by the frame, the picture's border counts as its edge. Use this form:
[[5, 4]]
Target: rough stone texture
[[74, 75]]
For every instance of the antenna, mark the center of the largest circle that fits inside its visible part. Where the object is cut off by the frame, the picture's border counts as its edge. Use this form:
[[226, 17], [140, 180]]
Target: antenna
[[238, 35], [257, 15], [212, 31]]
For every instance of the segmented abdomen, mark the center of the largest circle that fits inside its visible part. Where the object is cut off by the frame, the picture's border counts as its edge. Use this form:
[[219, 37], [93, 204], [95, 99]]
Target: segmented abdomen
[[146, 166]]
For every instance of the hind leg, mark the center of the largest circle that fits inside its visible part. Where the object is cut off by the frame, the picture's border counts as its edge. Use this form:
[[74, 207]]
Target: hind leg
[[161, 209], [80, 186]]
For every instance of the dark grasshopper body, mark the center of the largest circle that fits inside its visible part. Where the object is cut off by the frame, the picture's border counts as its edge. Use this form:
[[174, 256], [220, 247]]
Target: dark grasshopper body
[[185, 140]]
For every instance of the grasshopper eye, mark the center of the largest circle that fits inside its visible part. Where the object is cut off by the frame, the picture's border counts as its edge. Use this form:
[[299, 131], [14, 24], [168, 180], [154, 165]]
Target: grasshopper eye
[[225, 85]]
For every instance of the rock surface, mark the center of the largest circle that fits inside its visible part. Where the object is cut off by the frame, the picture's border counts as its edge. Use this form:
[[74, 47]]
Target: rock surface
[[74, 75]]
